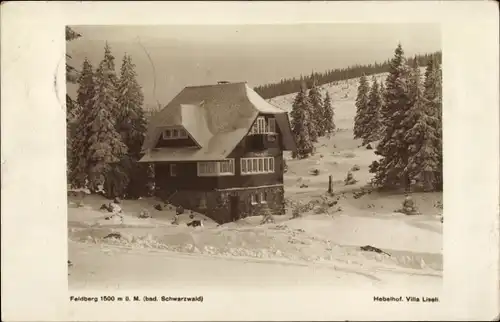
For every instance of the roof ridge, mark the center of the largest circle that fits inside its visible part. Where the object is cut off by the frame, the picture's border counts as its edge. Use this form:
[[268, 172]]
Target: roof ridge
[[213, 85]]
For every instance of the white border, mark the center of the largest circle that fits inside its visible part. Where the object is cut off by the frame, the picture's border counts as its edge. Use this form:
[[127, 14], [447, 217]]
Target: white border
[[34, 237]]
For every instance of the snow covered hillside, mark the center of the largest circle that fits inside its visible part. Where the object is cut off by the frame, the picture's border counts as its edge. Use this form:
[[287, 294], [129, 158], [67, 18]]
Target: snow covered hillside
[[321, 246]]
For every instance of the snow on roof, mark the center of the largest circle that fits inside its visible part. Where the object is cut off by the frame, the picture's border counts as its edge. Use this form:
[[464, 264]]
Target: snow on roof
[[216, 116]]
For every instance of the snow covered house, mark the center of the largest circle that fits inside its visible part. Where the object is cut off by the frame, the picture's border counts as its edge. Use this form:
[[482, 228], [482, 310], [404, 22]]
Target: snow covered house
[[218, 150]]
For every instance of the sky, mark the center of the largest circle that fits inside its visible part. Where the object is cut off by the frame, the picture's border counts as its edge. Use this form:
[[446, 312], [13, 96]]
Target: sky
[[169, 58]]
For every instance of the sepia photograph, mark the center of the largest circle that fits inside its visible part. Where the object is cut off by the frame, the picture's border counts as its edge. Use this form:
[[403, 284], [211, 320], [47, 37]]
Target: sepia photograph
[[272, 153], [250, 161]]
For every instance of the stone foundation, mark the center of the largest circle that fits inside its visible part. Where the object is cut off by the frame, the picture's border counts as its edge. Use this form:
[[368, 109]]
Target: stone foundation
[[216, 204]]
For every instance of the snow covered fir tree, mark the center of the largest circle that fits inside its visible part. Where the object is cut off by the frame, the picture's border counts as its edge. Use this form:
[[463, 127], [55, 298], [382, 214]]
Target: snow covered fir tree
[[109, 131], [361, 107], [302, 123], [312, 117], [410, 148], [317, 113], [370, 125]]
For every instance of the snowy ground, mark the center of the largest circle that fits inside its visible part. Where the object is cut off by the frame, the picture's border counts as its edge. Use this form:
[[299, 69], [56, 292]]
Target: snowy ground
[[320, 247]]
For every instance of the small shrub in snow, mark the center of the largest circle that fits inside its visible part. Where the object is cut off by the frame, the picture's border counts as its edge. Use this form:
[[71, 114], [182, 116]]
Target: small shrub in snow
[[315, 172], [268, 218], [409, 207], [332, 203], [369, 147], [349, 180], [369, 248], [105, 207], [320, 210], [115, 235], [115, 208], [158, 207], [145, 214], [195, 223], [304, 185], [355, 168], [359, 194], [296, 213]]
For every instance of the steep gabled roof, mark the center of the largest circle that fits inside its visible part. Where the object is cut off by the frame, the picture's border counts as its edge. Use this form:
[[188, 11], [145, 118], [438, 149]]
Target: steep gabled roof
[[217, 117]]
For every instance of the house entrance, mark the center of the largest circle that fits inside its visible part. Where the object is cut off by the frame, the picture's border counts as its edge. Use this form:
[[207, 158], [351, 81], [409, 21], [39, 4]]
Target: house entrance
[[233, 204]]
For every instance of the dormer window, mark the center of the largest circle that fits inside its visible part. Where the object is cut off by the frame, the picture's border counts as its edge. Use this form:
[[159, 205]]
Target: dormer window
[[175, 134], [262, 127]]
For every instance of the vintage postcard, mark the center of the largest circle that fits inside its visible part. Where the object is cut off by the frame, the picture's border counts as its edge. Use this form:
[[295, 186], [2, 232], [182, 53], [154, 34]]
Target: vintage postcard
[[250, 161]]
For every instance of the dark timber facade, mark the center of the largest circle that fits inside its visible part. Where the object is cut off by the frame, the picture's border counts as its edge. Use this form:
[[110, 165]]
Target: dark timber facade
[[218, 150]]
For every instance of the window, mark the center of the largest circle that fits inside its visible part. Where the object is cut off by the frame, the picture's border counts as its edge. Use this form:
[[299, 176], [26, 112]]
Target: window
[[253, 199], [226, 166], [260, 126], [243, 167], [173, 170], [257, 165], [271, 125], [263, 197], [167, 134], [216, 168], [175, 133]]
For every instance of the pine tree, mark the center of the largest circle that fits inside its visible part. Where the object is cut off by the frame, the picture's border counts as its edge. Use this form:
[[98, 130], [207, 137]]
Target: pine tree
[[372, 124], [85, 94], [382, 91], [329, 114], [317, 112], [301, 123], [361, 106], [439, 111], [392, 148], [423, 137], [86, 87], [71, 105], [70, 70], [132, 126], [100, 145]]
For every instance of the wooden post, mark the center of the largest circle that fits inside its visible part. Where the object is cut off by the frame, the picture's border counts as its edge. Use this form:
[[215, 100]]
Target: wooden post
[[330, 184]]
